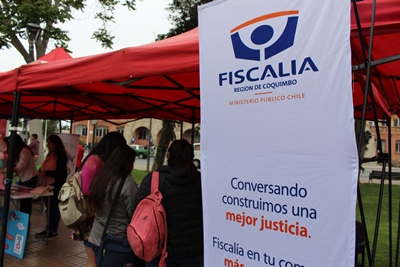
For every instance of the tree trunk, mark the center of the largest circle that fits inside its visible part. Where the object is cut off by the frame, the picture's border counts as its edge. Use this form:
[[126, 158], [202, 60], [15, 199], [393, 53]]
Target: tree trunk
[[167, 135], [365, 137]]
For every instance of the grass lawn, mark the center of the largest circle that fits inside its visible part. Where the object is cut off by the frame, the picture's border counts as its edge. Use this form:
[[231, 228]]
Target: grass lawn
[[370, 195], [138, 175]]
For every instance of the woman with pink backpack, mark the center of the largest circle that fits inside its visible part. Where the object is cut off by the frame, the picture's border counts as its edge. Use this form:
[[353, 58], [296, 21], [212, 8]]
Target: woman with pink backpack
[[180, 186]]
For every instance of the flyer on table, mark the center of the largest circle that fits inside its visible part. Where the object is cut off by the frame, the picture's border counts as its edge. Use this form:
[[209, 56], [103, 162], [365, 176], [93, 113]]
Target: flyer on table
[[278, 151]]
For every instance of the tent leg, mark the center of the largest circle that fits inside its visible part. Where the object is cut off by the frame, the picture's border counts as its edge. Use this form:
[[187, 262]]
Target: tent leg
[[9, 177]]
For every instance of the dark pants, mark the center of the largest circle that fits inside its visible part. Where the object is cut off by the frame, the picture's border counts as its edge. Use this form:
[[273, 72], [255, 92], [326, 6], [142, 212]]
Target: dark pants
[[26, 204], [196, 261], [118, 259], [55, 216]]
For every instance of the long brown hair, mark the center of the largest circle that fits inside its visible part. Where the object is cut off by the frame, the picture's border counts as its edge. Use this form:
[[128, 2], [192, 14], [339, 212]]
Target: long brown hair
[[59, 148], [18, 146], [106, 146], [118, 165]]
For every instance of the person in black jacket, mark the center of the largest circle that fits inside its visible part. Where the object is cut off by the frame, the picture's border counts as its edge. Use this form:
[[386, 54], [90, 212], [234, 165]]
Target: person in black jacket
[[180, 185], [53, 172]]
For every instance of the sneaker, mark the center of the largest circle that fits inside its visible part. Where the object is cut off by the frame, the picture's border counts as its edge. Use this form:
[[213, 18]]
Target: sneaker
[[43, 234]]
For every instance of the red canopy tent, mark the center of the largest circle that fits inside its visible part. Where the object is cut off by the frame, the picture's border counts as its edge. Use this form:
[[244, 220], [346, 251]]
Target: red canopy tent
[[385, 54], [157, 80], [56, 54], [161, 79], [41, 106]]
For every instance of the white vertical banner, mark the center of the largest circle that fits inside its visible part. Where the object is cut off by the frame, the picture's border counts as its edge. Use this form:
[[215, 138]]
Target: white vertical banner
[[71, 142], [278, 150]]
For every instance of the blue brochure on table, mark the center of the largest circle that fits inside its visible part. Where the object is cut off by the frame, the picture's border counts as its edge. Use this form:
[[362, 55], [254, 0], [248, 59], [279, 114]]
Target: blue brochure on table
[[17, 230]]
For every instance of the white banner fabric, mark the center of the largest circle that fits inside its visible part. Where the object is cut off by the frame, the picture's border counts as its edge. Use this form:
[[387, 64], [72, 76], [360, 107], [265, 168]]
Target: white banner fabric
[[278, 152]]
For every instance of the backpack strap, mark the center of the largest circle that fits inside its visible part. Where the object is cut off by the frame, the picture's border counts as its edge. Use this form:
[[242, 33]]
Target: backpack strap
[[154, 188], [113, 206], [80, 183], [154, 181]]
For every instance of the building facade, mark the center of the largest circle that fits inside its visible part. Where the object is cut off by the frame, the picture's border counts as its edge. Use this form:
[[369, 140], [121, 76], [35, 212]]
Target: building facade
[[142, 131], [384, 134]]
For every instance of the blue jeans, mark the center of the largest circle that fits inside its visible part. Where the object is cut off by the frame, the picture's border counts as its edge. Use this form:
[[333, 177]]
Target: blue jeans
[[196, 261]]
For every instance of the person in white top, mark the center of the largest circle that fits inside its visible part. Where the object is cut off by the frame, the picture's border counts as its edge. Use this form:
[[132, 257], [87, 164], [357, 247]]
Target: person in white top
[[25, 168]]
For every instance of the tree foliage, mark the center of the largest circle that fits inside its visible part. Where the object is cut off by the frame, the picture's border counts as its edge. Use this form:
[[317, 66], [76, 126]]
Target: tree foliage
[[183, 16], [50, 127], [166, 136], [50, 15]]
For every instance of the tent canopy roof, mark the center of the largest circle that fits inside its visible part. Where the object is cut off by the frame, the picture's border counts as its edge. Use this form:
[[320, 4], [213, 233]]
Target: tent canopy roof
[[157, 80]]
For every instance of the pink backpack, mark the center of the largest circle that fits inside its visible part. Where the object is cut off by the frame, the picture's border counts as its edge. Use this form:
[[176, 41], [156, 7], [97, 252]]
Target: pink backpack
[[147, 232]]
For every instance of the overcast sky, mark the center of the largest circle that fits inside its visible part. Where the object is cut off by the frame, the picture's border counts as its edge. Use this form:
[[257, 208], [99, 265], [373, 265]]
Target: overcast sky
[[130, 29]]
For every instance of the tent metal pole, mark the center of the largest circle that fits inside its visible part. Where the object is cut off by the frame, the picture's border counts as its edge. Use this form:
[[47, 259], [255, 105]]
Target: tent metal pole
[[192, 134], [377, 62], [390, 193], [193, 125], [368, 84], [70, 123], [398, 239], [379, 210], [367, 90], [181, 132], [148, 147], [9, 177]]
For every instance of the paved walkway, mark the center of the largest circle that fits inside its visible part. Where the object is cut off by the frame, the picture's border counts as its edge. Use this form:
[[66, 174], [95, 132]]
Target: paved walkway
[[60, 251]]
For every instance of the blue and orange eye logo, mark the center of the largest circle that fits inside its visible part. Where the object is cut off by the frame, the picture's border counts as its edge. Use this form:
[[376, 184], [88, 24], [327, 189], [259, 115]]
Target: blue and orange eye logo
[[263, 33]]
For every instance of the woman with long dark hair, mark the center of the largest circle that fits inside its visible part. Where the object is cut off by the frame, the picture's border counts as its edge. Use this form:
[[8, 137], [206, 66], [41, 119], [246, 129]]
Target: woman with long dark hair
[[90, 166], [53, 172], [26, 170], [180, 186], [102, 193]]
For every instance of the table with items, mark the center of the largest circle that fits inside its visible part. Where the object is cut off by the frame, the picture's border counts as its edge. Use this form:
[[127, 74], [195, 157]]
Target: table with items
[[18, 222]]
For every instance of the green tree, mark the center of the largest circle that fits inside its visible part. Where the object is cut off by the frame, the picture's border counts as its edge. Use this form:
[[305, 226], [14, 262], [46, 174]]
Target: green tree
[[15, 15], [50, 127], [183, 16]]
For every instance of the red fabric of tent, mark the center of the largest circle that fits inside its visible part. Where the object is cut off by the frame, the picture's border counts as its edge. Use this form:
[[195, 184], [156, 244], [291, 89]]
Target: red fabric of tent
[[385, 77], [158, 80], [41, 106]]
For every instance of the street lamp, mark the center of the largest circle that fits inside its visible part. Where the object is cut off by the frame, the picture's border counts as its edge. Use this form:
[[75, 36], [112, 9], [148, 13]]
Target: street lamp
[[94, 122], [33, 30]]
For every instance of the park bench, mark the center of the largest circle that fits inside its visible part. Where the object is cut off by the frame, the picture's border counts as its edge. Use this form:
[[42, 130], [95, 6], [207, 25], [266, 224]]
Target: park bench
[[377, 175]]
